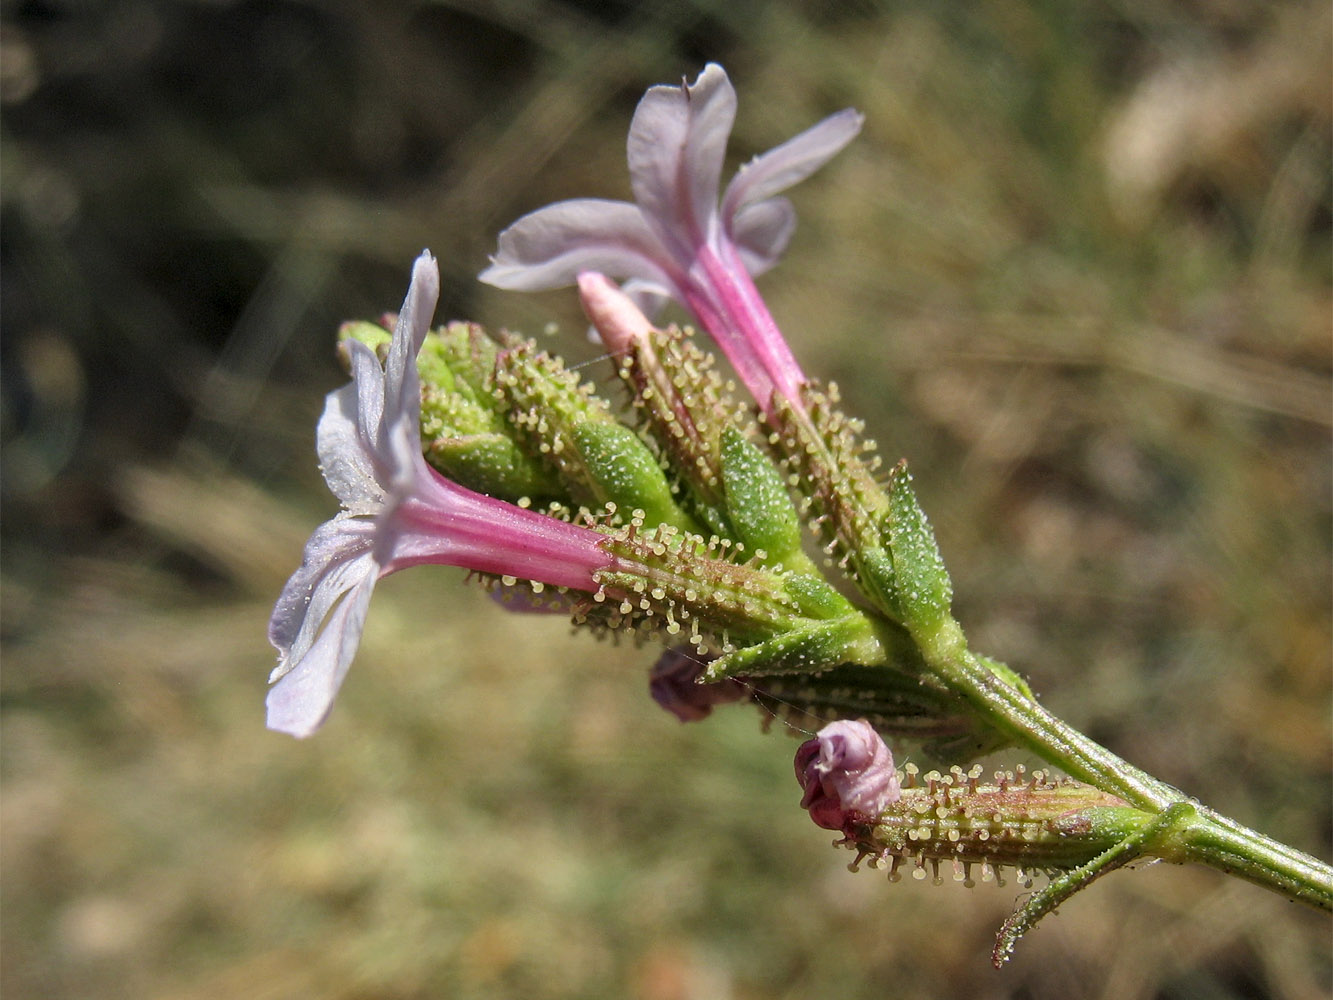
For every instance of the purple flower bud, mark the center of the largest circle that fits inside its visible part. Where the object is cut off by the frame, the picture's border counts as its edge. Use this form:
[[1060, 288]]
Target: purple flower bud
[[825, 811], [846, 772], [675, 686]]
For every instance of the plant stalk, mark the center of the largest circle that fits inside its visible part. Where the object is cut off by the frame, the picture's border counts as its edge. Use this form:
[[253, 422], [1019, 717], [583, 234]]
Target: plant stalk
[[1208, 838]]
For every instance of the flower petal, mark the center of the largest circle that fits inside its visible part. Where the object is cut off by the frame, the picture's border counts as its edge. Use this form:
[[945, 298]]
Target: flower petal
[[399, 443], [792, 162], [337, 557], [346, 455], [761, 231], [677, 142], [300, 701], [549, 247]]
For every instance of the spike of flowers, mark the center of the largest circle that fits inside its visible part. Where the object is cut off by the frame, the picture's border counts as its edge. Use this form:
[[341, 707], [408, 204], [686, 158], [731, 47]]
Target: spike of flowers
[[675, 240], [398, 512], [758, 616]]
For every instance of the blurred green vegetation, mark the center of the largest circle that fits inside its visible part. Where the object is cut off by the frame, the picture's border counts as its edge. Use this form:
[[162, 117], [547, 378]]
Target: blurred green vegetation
[[1076, 269]]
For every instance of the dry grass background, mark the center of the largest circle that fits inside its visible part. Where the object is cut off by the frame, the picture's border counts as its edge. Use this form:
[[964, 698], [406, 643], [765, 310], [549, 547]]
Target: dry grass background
[[1076, 269]]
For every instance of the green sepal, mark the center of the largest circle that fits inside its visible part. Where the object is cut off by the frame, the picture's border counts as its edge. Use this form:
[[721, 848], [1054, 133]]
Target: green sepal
[[624, 472], [371, 334], [490, 464], [807, 649], [921, 587], [564, 424], [758, 507], [467, 353], [876, 579], [815, 597]]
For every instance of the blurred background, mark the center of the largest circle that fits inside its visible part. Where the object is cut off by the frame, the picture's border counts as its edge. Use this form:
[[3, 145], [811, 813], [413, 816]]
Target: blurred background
[[1076, 268]]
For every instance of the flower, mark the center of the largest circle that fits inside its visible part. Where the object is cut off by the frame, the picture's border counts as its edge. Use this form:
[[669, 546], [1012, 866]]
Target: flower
[[847, 773], [675, 240], [398, 512]]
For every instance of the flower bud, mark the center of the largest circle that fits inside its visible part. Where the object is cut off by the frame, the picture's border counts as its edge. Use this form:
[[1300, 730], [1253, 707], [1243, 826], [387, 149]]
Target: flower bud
[[674, 684], [618, 320], [847, 773]]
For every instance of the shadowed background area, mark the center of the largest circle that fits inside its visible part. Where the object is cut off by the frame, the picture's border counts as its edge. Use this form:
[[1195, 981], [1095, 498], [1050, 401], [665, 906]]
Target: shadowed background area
[[1076, 268]]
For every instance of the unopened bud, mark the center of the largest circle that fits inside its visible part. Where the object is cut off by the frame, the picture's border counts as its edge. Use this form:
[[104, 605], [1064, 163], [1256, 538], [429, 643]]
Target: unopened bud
[[618, 321], [675, 686], [847, 773]]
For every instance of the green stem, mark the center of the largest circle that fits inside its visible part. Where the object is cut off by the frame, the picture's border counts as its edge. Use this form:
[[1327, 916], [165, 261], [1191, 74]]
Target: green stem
[[1209, 838], [1028, 724], [1228, 846]]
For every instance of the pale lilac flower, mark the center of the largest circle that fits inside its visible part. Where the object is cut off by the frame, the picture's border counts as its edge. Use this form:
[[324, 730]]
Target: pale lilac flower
[[675, 240], [398, 512], [847, 773]]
